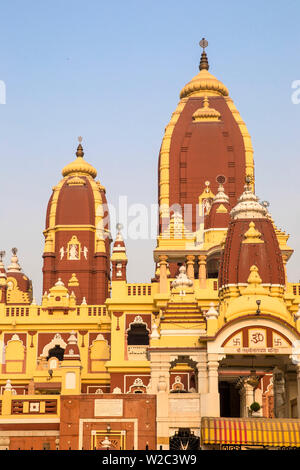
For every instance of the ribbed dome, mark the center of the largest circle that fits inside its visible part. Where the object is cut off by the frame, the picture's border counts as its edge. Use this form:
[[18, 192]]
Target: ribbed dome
[[79, 165], [76, 196], [250, 244], [204, 81], [248, 206]]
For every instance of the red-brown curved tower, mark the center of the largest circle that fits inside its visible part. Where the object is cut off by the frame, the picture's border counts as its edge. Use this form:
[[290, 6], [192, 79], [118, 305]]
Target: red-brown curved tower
[[77, 236], [206, 140]]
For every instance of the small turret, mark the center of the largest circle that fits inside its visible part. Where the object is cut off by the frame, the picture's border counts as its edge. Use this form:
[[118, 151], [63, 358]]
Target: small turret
[[251, 240], [3, 279], [119, 258], [72, 350], [19, 286], [219, 214], [71, 367]]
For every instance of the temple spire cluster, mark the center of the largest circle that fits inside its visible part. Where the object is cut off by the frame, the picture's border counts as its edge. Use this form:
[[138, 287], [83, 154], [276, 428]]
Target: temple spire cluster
[[208, 343]]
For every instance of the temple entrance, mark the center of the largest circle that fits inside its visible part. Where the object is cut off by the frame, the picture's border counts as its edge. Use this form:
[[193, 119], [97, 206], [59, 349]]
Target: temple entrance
[[257, 385], [229, 399], [258, 368]]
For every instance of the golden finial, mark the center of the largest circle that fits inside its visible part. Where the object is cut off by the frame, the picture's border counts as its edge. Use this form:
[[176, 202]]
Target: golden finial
[[79, 166], [203, 62], [80, 152]]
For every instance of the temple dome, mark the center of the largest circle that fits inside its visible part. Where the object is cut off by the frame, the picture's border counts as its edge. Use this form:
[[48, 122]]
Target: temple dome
[[79, 165], [19, 285], [204, 81], [251, 240], [248, 206]]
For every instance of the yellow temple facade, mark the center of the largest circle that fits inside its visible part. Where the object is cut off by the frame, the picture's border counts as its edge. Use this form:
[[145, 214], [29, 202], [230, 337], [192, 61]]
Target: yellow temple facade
[[205, 355]]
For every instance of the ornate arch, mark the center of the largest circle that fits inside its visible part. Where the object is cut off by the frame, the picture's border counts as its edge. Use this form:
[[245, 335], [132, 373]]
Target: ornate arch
[[57, 340], [274, 330]]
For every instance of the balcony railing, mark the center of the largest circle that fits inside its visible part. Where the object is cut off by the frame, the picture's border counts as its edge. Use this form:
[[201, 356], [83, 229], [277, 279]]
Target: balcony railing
[[139, 289]]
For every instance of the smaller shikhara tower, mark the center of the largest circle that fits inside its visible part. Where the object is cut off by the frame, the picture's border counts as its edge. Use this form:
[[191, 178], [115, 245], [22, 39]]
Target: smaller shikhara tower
[[77, 238]]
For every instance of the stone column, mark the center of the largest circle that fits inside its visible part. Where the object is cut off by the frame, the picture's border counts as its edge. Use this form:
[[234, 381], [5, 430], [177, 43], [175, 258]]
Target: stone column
[[163, 278], [7, 399], [279, 393], [202, 271], [211, 402], [190, 259], [298, 389], [160, 385], [289, 378], [202, 374], [213, 376], [247, 398], [242, 400]]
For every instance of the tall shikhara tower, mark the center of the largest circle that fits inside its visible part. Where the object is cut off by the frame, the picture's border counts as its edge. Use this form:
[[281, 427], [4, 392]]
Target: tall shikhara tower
[[205, 141], [205, 156], [76, 235]]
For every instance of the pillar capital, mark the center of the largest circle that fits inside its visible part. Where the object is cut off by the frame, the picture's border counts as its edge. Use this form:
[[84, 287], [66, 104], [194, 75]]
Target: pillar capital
[[163, 259], [190, 260], [202, 259]]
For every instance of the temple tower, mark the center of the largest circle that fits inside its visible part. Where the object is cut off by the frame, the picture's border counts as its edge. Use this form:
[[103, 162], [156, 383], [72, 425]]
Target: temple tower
[[205, 143], [77, 240]]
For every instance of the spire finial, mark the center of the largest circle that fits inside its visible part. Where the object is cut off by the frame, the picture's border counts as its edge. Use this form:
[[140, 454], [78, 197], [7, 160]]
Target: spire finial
[[14, 266], [79, 153], [119, 228], [203, 62], [248, 181]]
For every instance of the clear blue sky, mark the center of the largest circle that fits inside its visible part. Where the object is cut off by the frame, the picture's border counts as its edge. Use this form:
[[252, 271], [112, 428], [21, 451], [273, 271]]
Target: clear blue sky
[[112, 72]]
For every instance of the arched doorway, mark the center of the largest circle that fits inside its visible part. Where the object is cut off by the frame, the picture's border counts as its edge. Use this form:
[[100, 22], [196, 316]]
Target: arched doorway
[[256, 366], [138, 333]]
